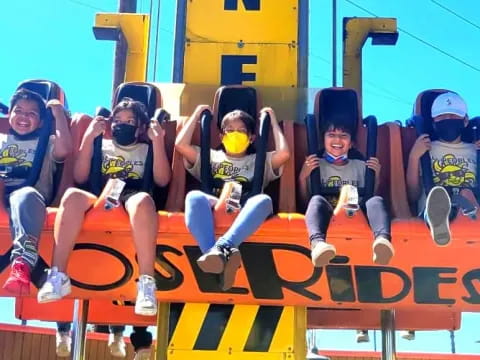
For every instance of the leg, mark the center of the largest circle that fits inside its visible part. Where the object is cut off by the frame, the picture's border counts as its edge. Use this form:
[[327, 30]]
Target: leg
[[116, 343], [380, 223], [437, 212], [362, 336], [68, 225], [63, 339], [317, 218], [141, 338], [144, 222], [27, 216], [199, 218]]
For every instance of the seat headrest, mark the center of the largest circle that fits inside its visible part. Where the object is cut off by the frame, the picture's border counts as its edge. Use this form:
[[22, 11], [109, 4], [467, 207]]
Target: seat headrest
[[139, 91], [47, 89], [234, 97]]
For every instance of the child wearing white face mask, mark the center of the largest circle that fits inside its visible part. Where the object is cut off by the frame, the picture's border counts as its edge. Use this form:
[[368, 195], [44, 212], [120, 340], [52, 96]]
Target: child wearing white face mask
[[234, 162], [454, 164]]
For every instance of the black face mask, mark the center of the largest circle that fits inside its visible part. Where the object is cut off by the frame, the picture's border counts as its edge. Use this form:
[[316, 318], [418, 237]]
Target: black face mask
[[124, 134], [30, 136], [449, 129]]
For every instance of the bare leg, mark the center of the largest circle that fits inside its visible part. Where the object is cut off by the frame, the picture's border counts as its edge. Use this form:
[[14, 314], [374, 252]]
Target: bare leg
[[68, 224], [144, 222]]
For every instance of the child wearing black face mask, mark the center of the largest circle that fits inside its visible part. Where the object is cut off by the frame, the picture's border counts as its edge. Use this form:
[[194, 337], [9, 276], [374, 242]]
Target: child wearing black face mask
[[454, 163], [123, 158]]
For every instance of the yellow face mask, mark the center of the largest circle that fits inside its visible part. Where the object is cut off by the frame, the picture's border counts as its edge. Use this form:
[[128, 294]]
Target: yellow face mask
[[235, 142]]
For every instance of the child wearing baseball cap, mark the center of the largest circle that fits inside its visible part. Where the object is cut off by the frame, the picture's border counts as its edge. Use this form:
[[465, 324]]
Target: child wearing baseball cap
[[453, 161]]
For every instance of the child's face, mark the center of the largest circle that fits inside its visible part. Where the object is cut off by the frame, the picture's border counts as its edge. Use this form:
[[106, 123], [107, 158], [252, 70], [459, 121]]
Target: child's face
[[25, 117], [337, 142], [236, 149], [125, 117]]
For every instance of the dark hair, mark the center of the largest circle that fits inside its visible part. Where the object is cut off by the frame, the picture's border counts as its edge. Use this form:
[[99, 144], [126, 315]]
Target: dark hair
[[24, 94], [136, 107], [338, 123], [245, 117]]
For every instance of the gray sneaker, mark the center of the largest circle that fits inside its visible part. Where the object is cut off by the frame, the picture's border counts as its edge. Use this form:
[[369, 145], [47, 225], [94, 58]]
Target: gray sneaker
[[55, 287], [146, 303], [437, 210]]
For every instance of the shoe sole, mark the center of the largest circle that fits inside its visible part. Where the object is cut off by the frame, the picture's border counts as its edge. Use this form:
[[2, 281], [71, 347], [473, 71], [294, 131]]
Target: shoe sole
[[383, 254], [230, 270], [146, 312], [49, 298], [62, 351], [211, 263], [438, 210], [324, 257]]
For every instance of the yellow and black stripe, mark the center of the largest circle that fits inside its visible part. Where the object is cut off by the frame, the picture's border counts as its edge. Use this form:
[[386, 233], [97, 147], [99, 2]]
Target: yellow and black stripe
[[235, 329]]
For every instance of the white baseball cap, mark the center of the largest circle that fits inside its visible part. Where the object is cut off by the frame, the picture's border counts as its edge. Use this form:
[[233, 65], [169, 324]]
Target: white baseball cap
[[449, 103]]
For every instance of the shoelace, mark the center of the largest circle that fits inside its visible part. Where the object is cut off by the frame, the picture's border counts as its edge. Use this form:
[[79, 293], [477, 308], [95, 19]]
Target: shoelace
[[226, 251]]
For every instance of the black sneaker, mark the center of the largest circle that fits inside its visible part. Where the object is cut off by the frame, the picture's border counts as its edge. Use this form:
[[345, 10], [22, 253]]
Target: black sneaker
[[437, 209]]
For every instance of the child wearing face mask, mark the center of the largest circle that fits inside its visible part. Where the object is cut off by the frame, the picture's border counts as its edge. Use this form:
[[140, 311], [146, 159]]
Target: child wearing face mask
[[124, 158], [454, 163], [235, 161], [337, 169]]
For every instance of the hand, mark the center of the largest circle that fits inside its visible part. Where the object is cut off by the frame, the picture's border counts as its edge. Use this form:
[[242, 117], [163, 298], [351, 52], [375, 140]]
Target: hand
[[155, 131], [477, 144], [311, 163], [202, 108], [56, 107], [273, 117], [374, 164], [421, 146], [96, 127]]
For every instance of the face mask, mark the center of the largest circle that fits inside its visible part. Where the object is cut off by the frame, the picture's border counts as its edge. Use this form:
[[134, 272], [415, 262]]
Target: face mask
[[449, 129], [235, 142], [30, 136], [124, 134], [336, 160]]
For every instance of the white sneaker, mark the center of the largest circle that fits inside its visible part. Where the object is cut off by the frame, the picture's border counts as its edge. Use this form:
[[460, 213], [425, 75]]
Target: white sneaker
[[362, 336], [117, 345], [56, 287], [437, 209], [322, 253], [382, 251], [143, 354], [64, 344], [146, 303], [407, 335]]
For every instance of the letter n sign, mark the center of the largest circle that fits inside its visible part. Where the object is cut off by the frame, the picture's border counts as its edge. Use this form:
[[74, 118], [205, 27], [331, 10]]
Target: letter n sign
[[249, 5], [232, 72]]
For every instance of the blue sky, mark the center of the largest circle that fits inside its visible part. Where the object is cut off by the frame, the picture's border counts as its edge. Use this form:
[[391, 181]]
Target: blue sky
[[53, 39]]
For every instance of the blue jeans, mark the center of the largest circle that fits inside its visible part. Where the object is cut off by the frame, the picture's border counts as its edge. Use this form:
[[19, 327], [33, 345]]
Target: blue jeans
[[199, 219], [27, 216]]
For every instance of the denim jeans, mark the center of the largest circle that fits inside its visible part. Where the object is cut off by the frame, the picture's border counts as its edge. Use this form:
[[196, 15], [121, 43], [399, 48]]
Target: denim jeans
[[199, 219], [27, 216]]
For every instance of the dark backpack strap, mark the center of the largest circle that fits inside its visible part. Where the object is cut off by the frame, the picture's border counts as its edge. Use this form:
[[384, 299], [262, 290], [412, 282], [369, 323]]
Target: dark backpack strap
[[261, 154], [148, 171]]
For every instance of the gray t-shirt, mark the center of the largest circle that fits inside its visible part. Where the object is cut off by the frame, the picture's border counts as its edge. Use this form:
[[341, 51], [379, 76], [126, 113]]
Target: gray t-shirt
[[452, 165], [20, 154], [238, 169], [123, 162]]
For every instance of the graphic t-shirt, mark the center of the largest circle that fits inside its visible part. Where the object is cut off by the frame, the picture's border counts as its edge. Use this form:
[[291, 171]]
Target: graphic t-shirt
[[452, 165], [352, 173], [16, 157], [123, 162], [238, 169]]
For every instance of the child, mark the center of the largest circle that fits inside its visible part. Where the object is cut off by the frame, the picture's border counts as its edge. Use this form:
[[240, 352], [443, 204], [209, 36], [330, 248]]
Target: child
[[129, 123], [234, 161], [454, 163], [27, 205], [337, 169]]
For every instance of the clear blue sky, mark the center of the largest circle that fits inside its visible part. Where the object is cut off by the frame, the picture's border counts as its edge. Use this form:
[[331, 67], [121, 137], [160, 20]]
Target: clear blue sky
[[54, 40]]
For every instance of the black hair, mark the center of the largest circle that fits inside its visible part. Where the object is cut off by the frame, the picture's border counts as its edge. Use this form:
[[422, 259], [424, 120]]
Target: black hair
[[245, 117], [136, 107], [337, 122], [24, 94]]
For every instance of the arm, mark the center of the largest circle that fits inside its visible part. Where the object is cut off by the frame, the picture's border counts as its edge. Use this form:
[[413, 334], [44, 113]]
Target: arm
[[422, 144], [183, 143], [62, 142], [161, 167], [311, 163], [281, 154], [81, 170]]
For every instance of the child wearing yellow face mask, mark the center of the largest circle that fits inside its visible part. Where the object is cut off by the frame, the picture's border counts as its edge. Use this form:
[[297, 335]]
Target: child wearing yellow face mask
[[235, 161]]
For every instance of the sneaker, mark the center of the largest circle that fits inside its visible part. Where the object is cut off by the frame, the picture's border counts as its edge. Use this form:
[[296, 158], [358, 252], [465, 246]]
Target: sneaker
[[212, 261], [146, 303], [322, 253], [117, 345], [437, 211], [18, 283], [55, 287], [362, 336], [143, 354], [382, 251], [407, 335], [232, 264], [64, 344]]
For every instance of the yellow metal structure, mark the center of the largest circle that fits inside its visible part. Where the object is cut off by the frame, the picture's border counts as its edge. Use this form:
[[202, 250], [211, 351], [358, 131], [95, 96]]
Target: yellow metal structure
[[135, 28], [356, 32]]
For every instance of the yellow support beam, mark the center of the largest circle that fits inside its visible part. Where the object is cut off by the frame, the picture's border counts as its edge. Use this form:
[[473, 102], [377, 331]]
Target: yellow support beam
[[135, 29], [383, 31]]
